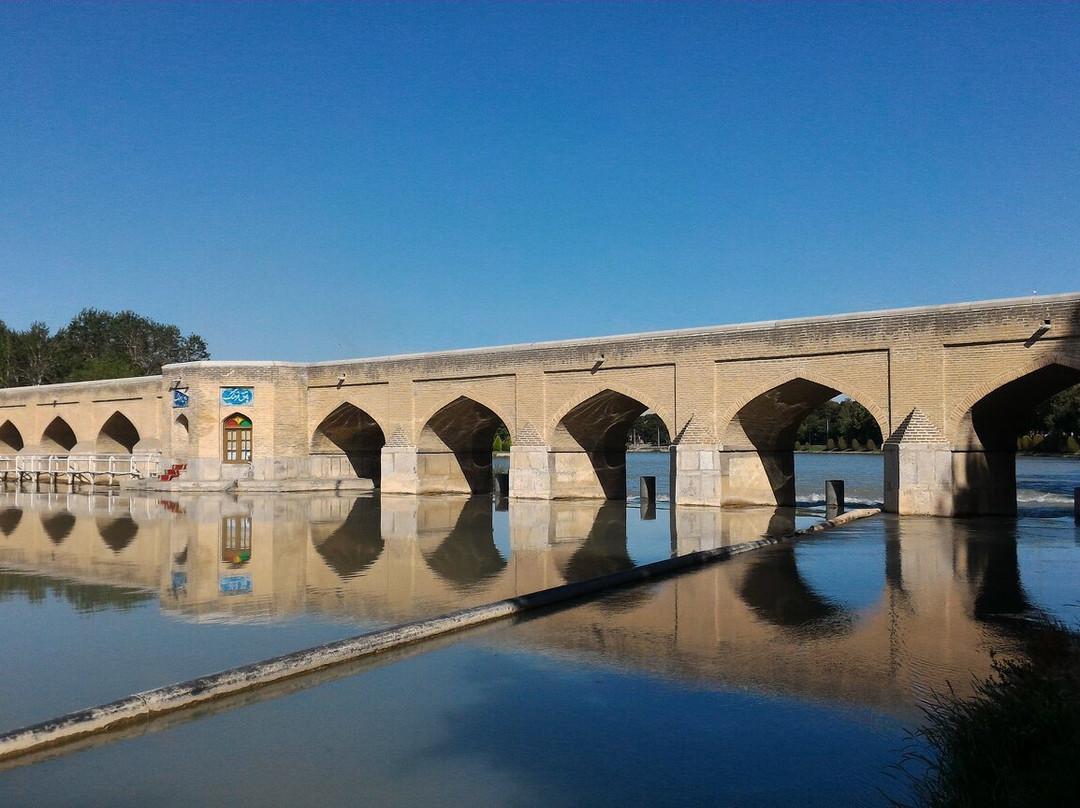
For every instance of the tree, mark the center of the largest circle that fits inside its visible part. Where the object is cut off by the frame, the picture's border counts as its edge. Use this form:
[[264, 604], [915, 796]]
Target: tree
[[37, 360], [101, 345], [94, 345]]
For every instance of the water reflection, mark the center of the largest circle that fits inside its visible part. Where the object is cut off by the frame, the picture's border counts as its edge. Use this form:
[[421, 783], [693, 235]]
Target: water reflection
[[931, 598], [9, 520], [117, 533], [353, 547], [775, 590], [466, 557]]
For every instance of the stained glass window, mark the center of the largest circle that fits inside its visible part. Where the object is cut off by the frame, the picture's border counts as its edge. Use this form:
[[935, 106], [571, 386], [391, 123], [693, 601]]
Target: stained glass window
[[237, 439]]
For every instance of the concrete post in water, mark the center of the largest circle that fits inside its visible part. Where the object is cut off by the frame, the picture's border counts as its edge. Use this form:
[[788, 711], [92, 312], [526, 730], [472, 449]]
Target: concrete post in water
[[647, 493], [834, 498]]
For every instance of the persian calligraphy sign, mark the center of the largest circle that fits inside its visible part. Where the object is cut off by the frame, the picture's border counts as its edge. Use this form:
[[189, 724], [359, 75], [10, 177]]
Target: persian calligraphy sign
[[237, 396]]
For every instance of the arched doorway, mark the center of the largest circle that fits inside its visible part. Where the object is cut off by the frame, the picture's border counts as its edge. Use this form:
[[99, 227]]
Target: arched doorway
[[236, 445]]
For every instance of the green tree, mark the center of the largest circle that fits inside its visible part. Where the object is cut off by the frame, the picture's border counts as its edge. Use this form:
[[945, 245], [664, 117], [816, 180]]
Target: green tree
[[649, 428], [94, 345], [37, 358], [101, 345]]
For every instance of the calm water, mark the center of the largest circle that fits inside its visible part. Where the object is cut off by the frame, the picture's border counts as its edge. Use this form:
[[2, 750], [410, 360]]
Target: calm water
[[789, 676]]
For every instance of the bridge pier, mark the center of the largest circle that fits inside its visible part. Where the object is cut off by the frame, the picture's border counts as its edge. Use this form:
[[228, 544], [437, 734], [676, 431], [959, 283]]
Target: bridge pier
[[919, 478], [758, 477], [695, 474]]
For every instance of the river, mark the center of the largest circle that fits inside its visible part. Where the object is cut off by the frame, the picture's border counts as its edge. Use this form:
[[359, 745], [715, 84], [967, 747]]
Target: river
[[792, 675]]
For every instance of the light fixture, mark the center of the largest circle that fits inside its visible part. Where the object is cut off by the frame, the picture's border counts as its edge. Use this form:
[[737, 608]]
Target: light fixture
[[597, 364], [341, 380], [176, 384]]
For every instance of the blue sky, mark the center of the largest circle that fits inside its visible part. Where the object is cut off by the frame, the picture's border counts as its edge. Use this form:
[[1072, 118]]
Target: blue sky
[[312, 181]]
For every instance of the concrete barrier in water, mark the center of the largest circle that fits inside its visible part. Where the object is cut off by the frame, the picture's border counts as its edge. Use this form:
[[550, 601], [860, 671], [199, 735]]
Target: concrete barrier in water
[[142, 707]]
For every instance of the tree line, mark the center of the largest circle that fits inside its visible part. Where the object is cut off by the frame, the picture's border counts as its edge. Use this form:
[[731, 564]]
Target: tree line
[[94, 345]]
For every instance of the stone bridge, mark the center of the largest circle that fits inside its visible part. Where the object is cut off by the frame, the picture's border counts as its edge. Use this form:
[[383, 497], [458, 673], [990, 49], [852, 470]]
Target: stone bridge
[[948, 386]]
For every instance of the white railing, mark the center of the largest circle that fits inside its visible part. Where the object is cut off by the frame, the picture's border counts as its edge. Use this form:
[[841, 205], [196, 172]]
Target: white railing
[[81, 467]]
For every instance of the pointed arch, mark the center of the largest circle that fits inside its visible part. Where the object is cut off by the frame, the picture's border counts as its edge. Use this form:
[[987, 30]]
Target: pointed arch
[[990, 415], [236, 439], [9, 520], [11, 440], [770, 414], [485, 405], [58, 437], [58, 525], [353, 432], [117, 435], [591, 436], [591, 392], [465, 430], [181, 436], [352, 547]]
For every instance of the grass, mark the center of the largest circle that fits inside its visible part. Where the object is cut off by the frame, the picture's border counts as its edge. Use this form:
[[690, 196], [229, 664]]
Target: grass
[[1015, 742]]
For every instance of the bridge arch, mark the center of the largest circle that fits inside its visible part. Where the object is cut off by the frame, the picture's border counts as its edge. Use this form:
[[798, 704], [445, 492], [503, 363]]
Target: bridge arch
[[588, 394], [454, 447], [117, 435], [984, 428], [11, 440], [347, 434], [356, 544], [58, 525], [758, 435], [763, 417], [989, 416], [588, 442], [466, 557], [58, 437]]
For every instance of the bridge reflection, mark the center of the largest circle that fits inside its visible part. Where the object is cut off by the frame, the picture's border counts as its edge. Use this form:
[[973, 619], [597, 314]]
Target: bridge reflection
[[940, 595]]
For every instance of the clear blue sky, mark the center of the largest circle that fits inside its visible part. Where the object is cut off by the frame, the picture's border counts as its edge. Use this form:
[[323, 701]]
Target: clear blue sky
[[321, 181]]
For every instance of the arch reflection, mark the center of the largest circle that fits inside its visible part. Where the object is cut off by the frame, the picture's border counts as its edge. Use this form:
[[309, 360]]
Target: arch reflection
[[468, 557], [349, 550]]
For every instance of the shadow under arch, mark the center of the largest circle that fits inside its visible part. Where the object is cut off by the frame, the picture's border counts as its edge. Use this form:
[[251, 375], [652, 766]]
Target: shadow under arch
[[58, 437], [598, 427], [986, 426], [764, 426], [468, 557], [58, 526], [465, 430], [351, 548], [353, 432], [9, 520], [117, 533], [117, 435], [11, 439], [775, 590]]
